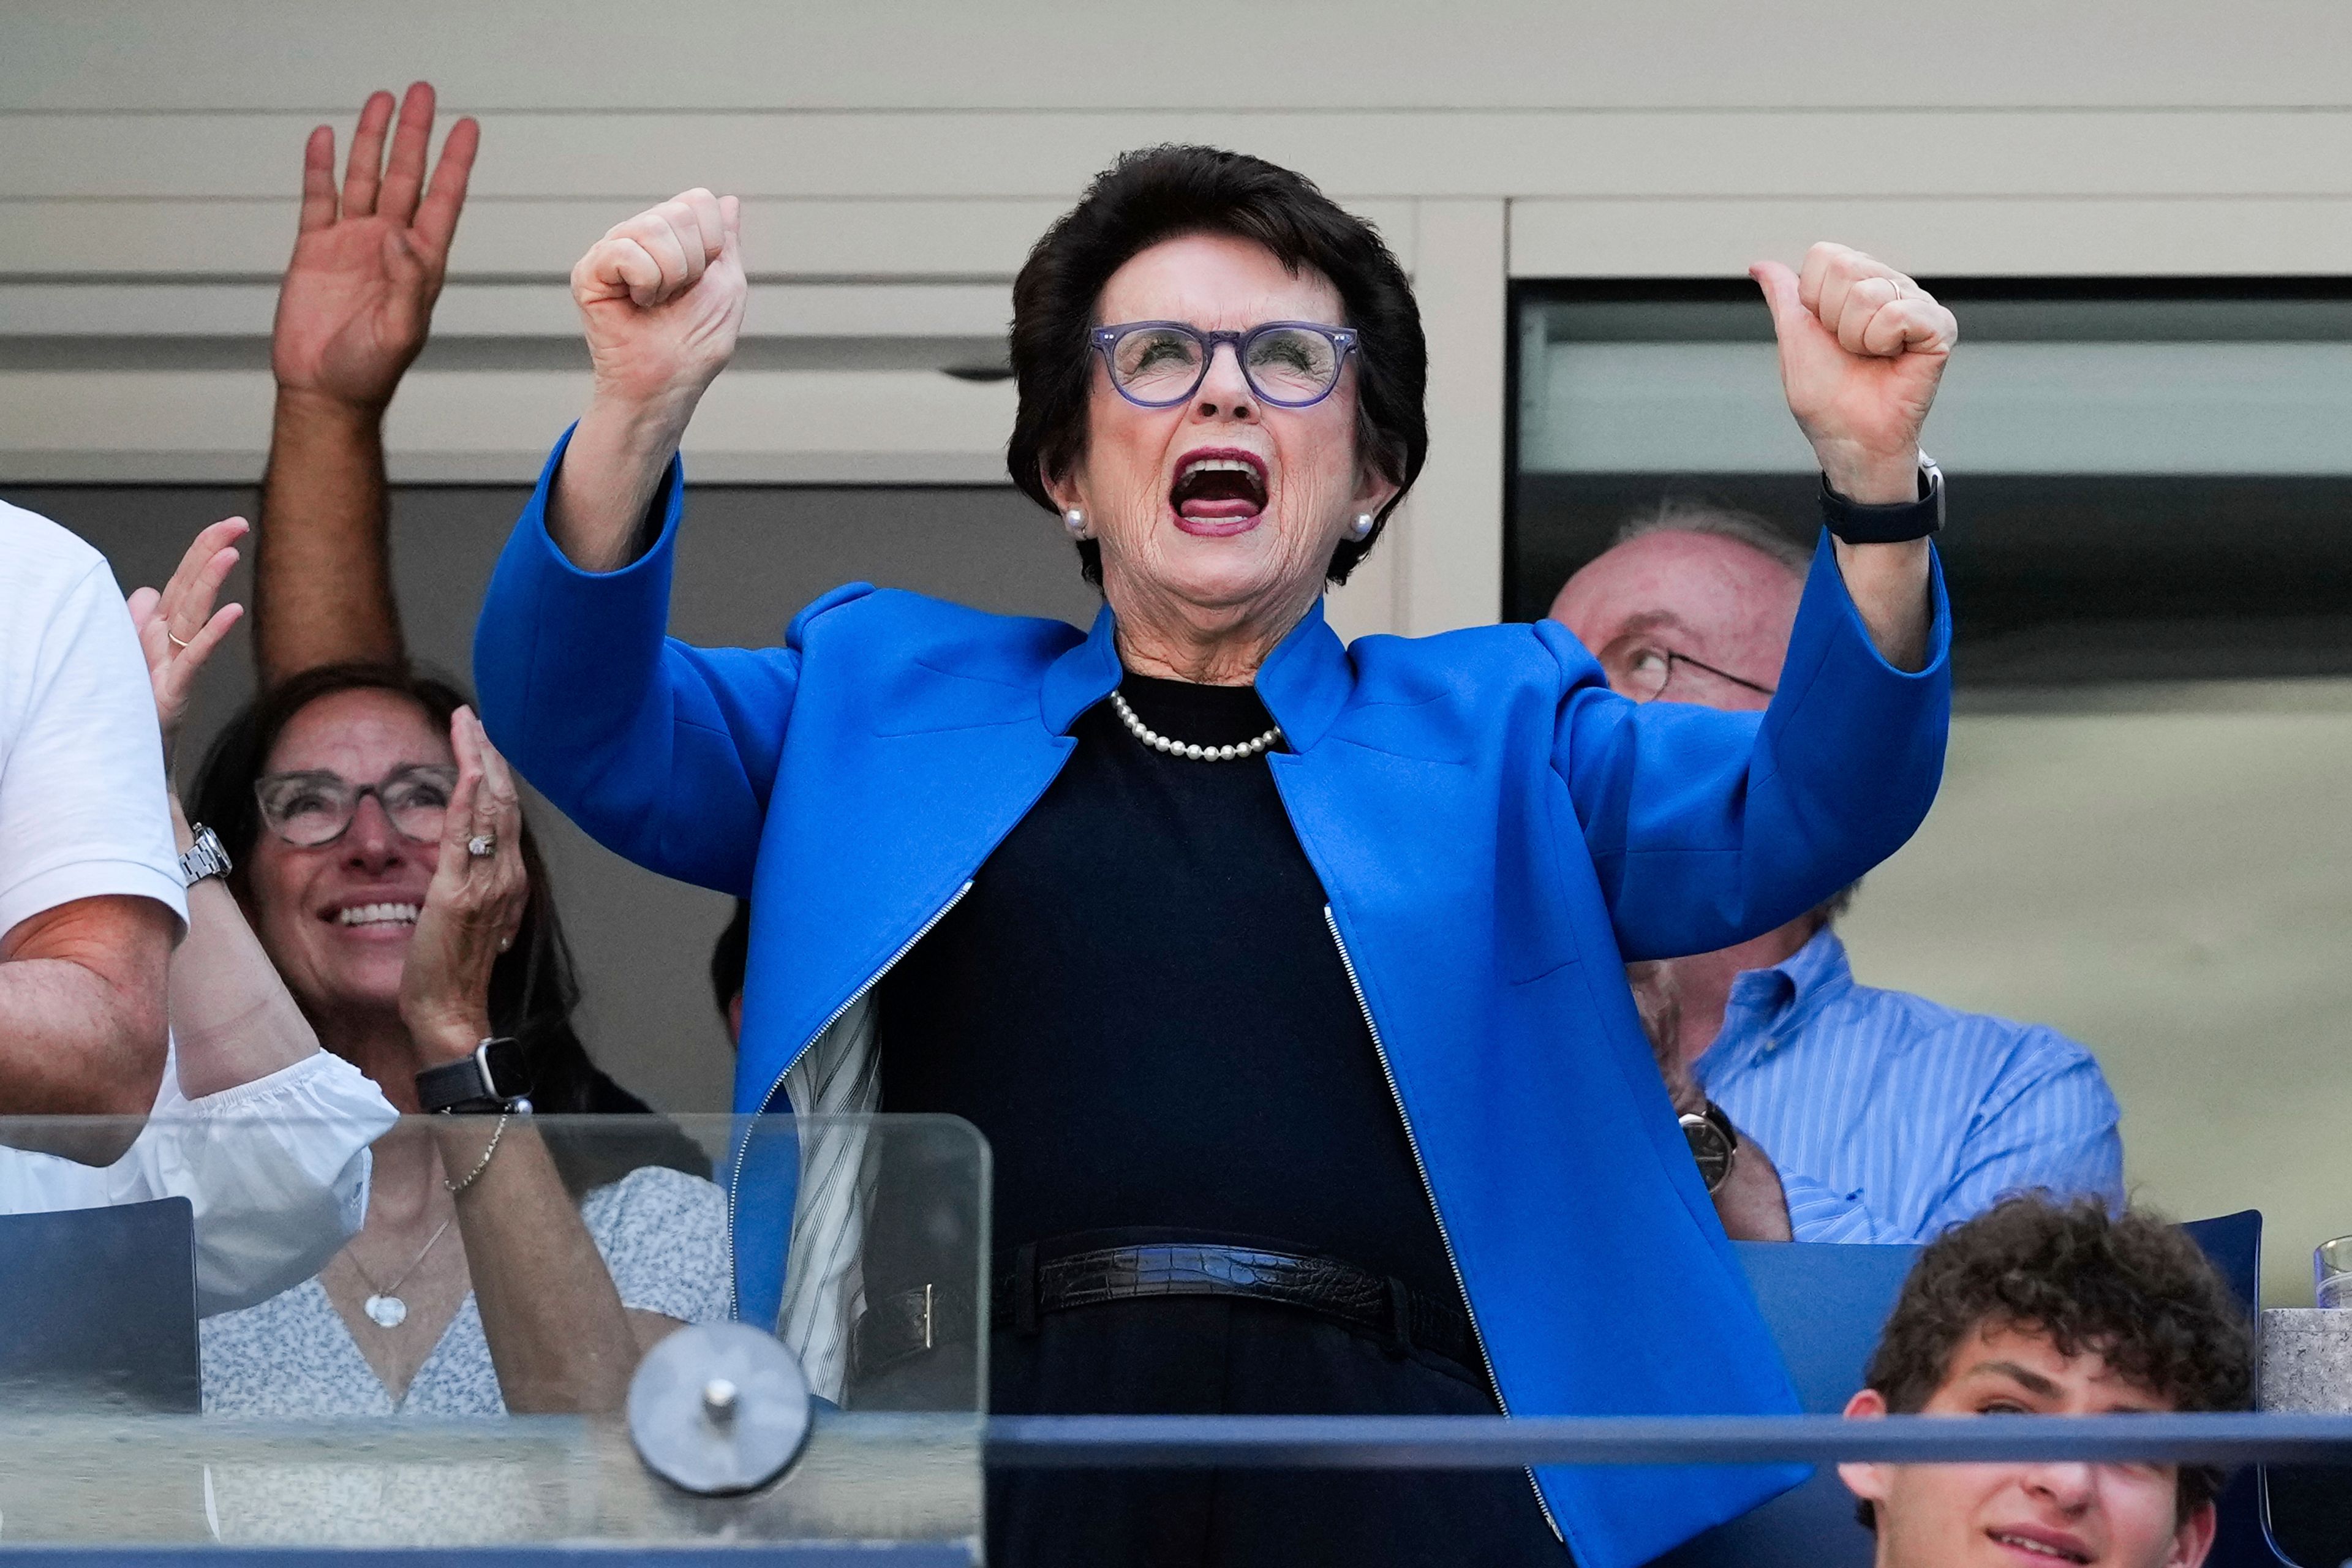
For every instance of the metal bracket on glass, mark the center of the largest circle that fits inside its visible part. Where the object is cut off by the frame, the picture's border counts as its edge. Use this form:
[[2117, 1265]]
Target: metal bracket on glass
[[717, 1409]]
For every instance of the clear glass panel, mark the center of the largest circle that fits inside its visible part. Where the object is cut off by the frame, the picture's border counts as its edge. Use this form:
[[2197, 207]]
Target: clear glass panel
[[195, 1346]]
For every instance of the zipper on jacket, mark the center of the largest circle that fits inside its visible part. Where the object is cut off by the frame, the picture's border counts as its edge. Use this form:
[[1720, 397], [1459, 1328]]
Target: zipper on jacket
[[1486, 1362], [735, 1179]]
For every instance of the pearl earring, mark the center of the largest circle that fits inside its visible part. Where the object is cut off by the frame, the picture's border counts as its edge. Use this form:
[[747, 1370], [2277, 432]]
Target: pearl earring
[[1363, 529], [1076, 521]]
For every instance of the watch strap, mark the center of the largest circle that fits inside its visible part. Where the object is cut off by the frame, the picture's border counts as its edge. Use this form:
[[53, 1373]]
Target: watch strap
[[492, 1077], [1714, 1143], [1895, 524]]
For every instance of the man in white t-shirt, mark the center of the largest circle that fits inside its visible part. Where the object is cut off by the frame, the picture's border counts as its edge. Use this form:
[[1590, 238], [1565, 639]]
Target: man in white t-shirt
[[90, 894]]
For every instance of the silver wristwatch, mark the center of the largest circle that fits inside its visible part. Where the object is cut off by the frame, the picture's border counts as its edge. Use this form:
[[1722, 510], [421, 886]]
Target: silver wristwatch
[[205, 857]]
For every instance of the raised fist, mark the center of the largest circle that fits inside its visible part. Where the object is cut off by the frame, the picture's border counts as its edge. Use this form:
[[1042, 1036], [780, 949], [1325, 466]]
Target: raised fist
[[1861, 348], [661, 296]]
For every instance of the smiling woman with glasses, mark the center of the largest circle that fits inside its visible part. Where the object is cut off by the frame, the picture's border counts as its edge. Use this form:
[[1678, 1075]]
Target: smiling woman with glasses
[[1284, 977], [399, 892]]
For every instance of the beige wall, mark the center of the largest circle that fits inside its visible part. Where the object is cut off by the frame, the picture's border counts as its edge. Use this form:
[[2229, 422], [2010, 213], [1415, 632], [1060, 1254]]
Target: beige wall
[[897, 159]]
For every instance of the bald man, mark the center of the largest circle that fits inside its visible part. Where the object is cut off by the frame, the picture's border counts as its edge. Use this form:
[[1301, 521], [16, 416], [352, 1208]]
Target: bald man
[[1859, 1115]]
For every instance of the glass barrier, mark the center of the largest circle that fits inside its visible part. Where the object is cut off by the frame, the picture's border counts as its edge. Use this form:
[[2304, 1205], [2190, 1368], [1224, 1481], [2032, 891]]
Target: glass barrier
[[264, 1332]]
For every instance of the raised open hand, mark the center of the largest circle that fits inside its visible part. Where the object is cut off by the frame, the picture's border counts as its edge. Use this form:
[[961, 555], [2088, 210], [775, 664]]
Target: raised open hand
[[1861, 348], [662, 297], [358, 296], [474, 904], [178, 628]]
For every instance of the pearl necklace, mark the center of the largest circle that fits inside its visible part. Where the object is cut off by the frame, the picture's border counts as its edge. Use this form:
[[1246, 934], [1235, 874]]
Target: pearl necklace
[[1159, 742]]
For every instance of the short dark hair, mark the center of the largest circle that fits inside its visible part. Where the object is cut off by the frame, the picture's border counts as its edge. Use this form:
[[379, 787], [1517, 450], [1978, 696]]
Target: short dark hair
[[534, 988], [730, 956], [2132, 1287], [1162, 193]]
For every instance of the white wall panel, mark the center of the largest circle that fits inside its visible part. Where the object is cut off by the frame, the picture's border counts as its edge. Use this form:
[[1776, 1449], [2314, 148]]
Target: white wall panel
[[776, 427], [1451, 540], [1324, 53], [1994, 236], [1050, 154], [250, 237]]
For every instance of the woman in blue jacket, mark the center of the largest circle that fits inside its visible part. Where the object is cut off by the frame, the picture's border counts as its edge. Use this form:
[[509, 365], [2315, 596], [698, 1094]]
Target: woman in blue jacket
[[1286, 978]]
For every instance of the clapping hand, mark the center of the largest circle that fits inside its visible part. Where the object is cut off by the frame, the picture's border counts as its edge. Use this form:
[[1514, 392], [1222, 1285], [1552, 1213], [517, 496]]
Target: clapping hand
[[178, 628], [358, 296], [1861, 348], [474, 905]]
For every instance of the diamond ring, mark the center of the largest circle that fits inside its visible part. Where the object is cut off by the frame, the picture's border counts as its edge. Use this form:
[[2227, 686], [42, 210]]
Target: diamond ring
[[481, 846]]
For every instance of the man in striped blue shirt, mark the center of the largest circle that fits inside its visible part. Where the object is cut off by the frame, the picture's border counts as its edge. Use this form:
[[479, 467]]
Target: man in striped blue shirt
[[1885, 1116]]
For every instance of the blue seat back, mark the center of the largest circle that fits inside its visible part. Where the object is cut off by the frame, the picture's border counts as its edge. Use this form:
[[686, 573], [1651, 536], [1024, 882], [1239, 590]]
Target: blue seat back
[[98, 1309], [1825, 1304]]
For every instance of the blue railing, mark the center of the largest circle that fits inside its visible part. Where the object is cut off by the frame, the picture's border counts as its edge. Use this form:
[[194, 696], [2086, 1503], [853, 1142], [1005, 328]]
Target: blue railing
[[1495, 1442]]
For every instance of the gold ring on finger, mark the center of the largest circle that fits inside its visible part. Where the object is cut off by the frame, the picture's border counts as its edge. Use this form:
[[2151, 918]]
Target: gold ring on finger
[[174, 640]]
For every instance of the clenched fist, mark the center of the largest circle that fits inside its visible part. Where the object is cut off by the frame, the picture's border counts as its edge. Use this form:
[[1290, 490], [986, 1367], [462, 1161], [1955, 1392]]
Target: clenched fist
[[662, 297], [1861, 348]]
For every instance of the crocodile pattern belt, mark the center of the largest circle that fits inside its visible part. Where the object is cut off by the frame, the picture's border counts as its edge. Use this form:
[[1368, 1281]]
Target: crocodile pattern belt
[[908, 1323]]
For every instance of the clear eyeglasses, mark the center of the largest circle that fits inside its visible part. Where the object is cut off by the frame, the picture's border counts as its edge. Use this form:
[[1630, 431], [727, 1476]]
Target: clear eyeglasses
[[1158, 364], [1650, 672], [312, 808]]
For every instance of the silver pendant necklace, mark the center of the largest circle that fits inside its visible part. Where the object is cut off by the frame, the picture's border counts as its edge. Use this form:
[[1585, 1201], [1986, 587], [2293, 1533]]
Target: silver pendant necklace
[[383, 1307], [1159, 742]]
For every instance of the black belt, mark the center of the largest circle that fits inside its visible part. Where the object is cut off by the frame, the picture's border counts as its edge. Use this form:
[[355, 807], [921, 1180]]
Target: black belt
[[908, 1323]]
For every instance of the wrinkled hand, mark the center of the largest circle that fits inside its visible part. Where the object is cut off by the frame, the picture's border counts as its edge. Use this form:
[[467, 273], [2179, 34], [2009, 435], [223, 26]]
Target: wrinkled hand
[[358, 296], [178, 628], [1861, 348], [661, 297], [472, 908]]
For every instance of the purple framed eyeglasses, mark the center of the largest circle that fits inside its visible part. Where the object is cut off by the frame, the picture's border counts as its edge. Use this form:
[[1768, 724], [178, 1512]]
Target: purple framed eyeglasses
[[1158, 364]]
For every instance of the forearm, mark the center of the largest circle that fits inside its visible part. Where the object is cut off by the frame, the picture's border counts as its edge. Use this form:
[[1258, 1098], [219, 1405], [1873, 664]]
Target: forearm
[[232, 1017], [323, 570], [612, 469], [558, 1334], [1750, 1202], [1888, 583]]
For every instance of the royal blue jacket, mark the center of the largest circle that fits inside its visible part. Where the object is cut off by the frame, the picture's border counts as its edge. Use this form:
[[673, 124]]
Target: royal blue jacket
[[1497, 831]]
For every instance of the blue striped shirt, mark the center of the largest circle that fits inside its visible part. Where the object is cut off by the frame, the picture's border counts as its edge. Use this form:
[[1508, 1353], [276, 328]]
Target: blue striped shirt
[[1891, 1118]]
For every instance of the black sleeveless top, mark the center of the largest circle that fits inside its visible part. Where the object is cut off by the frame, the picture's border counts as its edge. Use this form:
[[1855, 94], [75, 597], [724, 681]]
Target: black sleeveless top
[[1141, 1005]]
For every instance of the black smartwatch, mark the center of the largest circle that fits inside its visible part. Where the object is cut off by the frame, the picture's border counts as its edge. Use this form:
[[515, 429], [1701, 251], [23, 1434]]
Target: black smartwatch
[[1714, 1143], [1903, 520], [493, 1077]]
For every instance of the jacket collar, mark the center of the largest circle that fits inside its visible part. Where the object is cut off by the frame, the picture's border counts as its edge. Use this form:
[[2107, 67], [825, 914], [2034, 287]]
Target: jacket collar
[[1304, 682]]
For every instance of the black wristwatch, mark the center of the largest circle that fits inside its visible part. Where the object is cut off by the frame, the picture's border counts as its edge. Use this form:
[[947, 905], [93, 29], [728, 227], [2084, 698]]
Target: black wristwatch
[[1893, 524], [1714, 1143], [493, 1077]]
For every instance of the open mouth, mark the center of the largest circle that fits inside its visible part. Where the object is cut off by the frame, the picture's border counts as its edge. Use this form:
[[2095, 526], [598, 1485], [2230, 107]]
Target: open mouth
[[1218, 491], [2036, 1545], [377, 916]]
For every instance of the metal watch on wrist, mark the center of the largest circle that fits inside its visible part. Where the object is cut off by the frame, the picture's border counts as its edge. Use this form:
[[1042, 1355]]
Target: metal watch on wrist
[[1890, 524], [494, 1076], [205, 857], [1714, 1143]]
